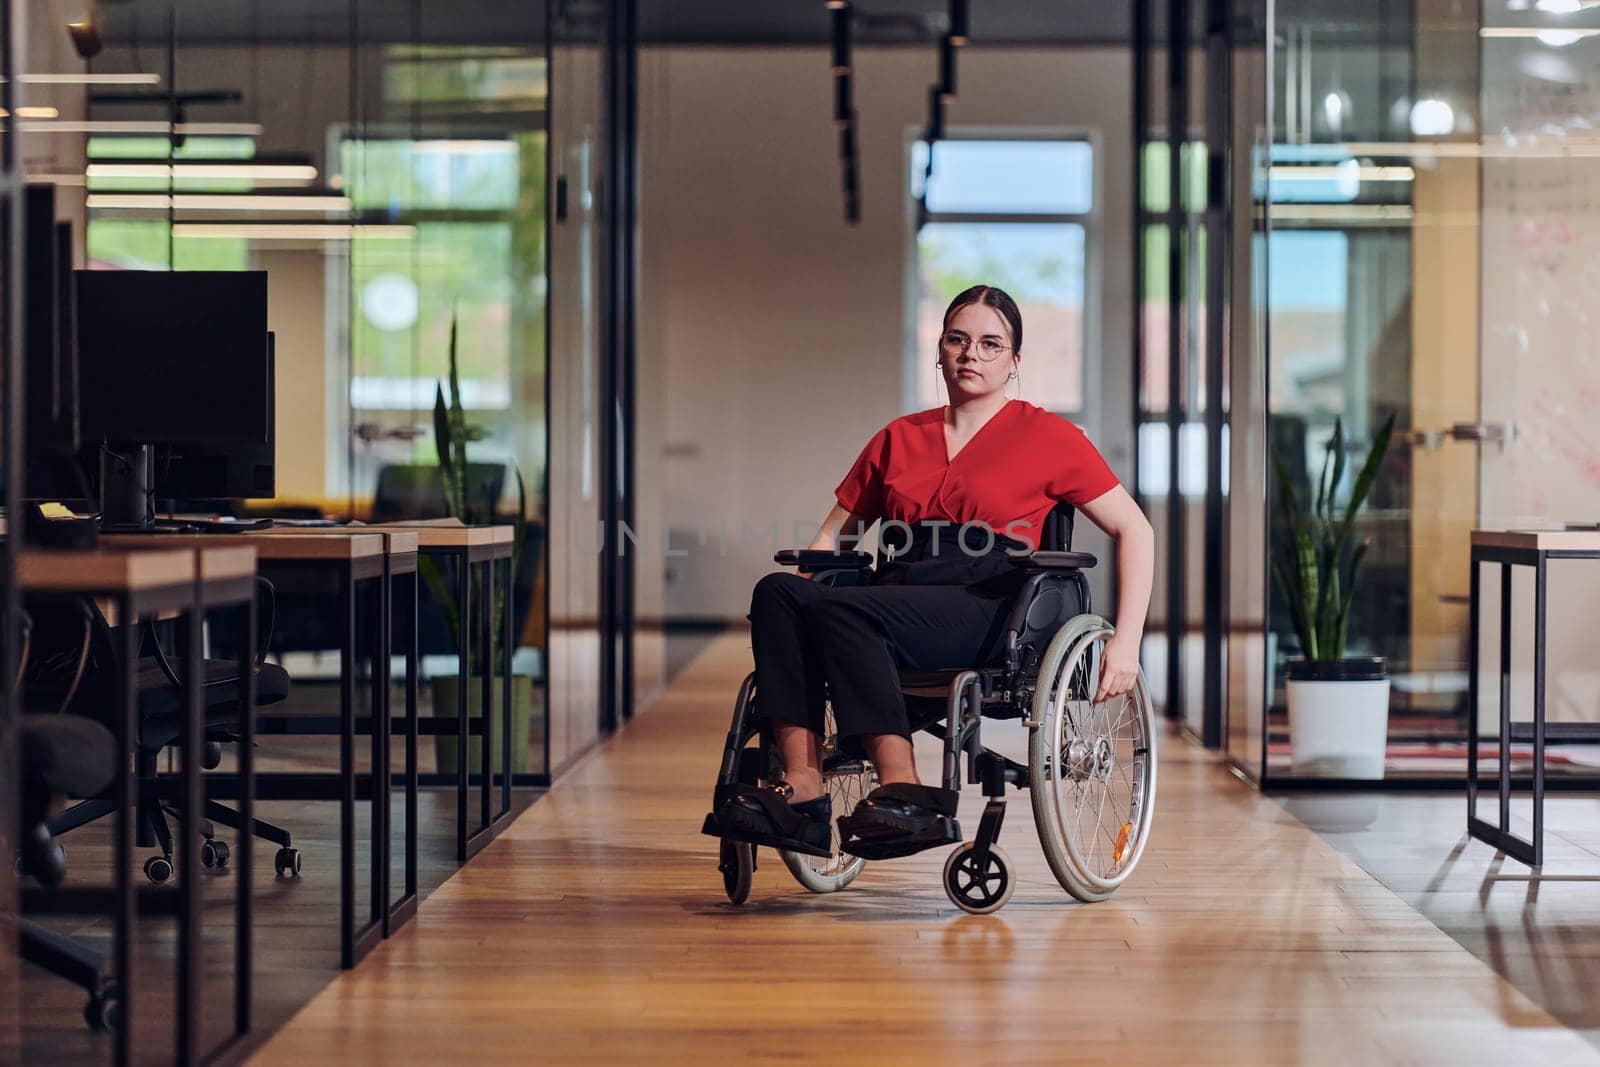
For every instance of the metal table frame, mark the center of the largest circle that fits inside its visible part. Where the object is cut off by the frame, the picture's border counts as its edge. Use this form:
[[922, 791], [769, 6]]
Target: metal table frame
[[191, 597], [1530, 553], [346, 786], [388, 570], [463, 551], [483, 559]]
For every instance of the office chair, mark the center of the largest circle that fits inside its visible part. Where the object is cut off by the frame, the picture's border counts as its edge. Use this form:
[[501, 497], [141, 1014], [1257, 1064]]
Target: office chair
[[76, 756], [408, 491], [79, 674]]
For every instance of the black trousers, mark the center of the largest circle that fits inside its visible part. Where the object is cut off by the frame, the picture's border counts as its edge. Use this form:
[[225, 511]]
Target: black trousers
[[813, 641]]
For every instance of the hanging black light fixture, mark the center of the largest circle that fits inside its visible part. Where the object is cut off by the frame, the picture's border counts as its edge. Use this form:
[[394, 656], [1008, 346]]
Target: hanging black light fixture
[[843, 102], [840, 13], [947, 66], [844, 108], [958, 22]]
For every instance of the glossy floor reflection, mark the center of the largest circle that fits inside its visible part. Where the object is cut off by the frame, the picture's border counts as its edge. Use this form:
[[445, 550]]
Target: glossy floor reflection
[[595, 930], [1543, 935]]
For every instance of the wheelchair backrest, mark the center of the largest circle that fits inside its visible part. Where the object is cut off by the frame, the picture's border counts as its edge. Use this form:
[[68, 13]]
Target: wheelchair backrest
[[1057, 533], [1047, 602], [1049, 599]]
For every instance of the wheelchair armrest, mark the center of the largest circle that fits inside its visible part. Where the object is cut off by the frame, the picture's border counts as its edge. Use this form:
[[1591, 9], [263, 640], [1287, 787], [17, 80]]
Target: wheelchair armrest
[[817, 559], [1055, 561]]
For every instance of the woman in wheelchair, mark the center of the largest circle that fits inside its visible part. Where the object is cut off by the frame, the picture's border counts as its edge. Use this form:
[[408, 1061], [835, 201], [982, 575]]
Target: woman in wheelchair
[[963, 491]]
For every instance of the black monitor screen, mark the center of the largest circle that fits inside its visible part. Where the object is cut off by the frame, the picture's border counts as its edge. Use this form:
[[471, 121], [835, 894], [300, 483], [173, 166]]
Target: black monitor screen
[[173, 356]]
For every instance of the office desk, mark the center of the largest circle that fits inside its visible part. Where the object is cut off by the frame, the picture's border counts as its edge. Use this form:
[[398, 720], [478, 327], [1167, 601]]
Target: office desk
[[350, 560], [1512, 548], [139, 584], [399, 588], [466, 549]]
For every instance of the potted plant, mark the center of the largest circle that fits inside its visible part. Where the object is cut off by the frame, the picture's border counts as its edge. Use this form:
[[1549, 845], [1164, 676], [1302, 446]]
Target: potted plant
[[1338, 704], [451, 433]]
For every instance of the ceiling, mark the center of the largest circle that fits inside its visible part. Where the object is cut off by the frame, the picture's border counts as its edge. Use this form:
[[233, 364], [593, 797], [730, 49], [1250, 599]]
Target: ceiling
[[660, 21]]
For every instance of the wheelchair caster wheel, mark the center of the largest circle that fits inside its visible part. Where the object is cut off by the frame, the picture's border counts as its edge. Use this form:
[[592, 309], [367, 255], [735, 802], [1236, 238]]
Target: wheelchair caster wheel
[[214, 855], [978, 891], [104, 1010], [158, 869], [738, 867], [287, 863]]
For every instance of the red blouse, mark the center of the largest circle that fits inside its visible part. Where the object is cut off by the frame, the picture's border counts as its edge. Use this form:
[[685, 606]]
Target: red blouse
[[1009, 475]]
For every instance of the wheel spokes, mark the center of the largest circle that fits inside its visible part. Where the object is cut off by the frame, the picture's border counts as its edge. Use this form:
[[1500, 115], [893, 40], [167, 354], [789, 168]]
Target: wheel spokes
[[1101, 754]]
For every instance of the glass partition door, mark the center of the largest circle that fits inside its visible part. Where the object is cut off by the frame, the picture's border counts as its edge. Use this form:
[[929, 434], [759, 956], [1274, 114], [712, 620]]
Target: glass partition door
[[1427, 255]]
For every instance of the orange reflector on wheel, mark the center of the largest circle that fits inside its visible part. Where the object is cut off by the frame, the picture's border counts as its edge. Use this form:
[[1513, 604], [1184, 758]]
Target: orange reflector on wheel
[[1122, 844]]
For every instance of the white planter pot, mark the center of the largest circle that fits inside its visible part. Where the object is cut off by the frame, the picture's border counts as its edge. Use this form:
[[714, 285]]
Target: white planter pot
[[1339, 729]]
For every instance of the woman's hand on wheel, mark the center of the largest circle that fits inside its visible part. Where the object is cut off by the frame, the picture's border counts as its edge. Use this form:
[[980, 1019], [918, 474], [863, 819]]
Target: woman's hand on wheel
[[1119, 666]]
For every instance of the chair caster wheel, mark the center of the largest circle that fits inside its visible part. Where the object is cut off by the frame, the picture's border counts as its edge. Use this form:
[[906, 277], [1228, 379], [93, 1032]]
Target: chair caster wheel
[[287, 862], [979, 892], [738, 866], [104, 1010], [214, 855], [158, 869]]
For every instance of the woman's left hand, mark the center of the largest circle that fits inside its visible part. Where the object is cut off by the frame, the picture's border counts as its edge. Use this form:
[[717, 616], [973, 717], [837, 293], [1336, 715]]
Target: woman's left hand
[[1119, 666]]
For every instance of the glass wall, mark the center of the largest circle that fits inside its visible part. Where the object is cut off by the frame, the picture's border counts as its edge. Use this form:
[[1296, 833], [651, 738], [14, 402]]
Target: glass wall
[[578, 382], [1153, 331], [1181, 347], [387, 168], [1411, 186]]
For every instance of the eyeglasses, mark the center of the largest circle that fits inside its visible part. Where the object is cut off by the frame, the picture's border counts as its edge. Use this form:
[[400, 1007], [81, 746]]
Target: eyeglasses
[[987, 348]]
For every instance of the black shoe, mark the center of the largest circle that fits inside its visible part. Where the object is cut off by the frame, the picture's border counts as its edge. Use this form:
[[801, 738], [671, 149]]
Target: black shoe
[[900, 819], [764, 816]]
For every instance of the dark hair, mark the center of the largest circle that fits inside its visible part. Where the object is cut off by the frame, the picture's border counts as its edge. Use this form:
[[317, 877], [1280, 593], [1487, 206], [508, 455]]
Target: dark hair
[[990, 296]]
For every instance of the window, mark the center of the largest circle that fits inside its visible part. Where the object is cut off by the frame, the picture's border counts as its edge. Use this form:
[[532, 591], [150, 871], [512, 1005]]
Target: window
[[1016, 213]]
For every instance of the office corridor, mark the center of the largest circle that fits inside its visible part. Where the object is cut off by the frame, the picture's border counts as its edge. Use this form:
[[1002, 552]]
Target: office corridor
[[596, 931]]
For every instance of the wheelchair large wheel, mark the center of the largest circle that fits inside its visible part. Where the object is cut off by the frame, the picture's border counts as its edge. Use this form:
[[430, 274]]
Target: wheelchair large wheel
[[847, 780], [1092, 766]]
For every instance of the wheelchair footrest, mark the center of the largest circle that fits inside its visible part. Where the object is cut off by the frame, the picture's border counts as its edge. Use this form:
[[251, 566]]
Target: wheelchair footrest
[[712, 827], [872, 840]]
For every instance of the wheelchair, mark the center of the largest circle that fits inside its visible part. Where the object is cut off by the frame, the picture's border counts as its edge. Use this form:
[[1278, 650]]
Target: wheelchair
[[1091, 771]]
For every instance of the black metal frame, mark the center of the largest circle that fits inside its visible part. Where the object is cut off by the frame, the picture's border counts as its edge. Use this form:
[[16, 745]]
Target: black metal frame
[[617, 379], [346, 785], [463, 561], [11, 428], [125, 901], [1498, 834]]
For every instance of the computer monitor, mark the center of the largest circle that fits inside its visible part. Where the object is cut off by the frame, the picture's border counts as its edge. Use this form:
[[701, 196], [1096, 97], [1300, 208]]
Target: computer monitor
[[174, 357], [50, 353], [190, 472], [176, 385]]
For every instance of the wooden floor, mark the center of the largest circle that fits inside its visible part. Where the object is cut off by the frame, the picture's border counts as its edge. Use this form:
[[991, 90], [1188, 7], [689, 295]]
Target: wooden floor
[[595, 931]]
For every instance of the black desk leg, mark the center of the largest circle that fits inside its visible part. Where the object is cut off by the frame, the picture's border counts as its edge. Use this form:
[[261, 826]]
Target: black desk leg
[[1539, 590], [1505, 698], [464, 664], [379, 889], [244, 887], [405, 601], [507, 645], [486, 698], [347, 772], [1474, 635], [413, 602], [127, 805], [187, 1037]]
